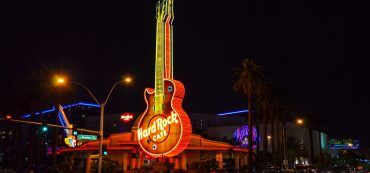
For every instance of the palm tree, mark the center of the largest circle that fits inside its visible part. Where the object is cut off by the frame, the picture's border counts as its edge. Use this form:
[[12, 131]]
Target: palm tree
[[249, 82], [280, 134], [264, 102], [272, 127]]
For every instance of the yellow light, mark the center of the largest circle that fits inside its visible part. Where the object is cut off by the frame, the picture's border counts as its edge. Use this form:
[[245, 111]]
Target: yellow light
[[127, 80], [269, 137], [299, 121], [350, 144], [59, 80]]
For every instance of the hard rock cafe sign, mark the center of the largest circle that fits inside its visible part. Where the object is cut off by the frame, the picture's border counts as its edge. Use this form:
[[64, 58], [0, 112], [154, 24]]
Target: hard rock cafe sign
[[164, 128], [127, 117], [166, 134], [159, 127]]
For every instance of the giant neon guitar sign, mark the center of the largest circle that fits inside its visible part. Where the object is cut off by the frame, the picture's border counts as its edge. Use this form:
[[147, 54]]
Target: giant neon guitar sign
[[164, 128]]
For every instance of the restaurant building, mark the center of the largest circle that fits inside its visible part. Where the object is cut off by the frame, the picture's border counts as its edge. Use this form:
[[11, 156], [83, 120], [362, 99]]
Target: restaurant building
[[125, 149]]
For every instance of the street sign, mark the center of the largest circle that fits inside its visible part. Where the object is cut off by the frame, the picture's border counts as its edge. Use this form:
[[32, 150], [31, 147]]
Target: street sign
[[87, 137]]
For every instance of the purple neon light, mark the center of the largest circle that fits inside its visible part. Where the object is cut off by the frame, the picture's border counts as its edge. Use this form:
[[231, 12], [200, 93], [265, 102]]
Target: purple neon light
[[241, 135]]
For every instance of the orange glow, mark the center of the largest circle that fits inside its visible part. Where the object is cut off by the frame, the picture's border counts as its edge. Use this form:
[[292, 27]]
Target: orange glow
[[173, 138], [59, 80], [300, 121], [127, 80], [115, 143], [8, 117]]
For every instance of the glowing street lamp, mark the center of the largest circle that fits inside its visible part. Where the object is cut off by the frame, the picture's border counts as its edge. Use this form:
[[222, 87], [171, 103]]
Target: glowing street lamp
[[269, 143], [300, 121], [60, 81], [127, 79]]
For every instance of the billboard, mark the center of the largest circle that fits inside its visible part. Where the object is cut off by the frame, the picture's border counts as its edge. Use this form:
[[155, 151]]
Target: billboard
[[346, 144]]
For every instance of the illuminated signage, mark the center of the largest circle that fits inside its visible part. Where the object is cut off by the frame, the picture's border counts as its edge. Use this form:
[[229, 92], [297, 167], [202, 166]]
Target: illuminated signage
[[127, 117], [343, 144], [158, 128], [163, 134], [241, 135], [164, 129], [87, 137], [70, 141]]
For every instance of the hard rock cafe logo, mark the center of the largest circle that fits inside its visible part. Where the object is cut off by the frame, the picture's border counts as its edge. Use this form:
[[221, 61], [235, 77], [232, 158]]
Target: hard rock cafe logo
[[158, 128], [127, 117]]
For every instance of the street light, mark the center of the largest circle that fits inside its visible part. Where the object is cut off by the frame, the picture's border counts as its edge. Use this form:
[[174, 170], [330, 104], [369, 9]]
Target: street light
[[269, 143], [300, 123], [127, 79], [61, 80]]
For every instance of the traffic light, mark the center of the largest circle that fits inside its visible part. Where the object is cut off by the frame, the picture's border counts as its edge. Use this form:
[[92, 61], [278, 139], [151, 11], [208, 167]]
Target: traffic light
[[105, 151], [74, 130], [44, 126]]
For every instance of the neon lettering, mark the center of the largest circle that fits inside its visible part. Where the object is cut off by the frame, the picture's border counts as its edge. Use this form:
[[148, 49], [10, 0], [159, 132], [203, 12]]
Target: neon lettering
[[159, 124]]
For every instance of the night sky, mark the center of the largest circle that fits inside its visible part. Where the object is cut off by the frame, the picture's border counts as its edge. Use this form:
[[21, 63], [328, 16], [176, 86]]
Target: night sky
[[314, 52]]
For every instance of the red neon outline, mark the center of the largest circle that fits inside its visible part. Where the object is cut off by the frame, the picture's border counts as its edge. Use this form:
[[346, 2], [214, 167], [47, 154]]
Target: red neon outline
[[185, 124]]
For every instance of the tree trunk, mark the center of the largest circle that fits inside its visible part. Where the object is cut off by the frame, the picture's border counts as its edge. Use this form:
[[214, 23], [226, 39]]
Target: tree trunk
[[273, 154], [284, 143], [264, 138], [278, 141], [250, 133]]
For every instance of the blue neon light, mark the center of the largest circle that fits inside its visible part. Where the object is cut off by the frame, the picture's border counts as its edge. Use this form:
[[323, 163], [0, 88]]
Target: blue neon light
[[26, 116], [231, 113], [60, 119], [49, 110], [64, 107], [88, 104]]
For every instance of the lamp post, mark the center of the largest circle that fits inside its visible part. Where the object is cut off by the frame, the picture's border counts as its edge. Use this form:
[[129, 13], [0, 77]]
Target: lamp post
[[60, 81], [269, 143], [300, 123], [285, 160]]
